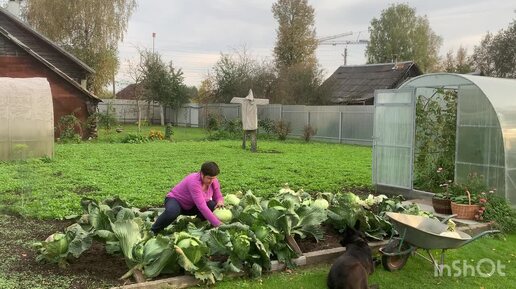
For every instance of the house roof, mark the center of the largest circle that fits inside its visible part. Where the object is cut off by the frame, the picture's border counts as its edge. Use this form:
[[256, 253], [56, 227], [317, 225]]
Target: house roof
[[27, 28], [357, 83], [43, 57], [129, 91]]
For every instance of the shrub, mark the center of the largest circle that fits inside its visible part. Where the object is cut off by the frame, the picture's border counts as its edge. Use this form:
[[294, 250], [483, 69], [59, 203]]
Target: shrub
[[168, 131], [68, 126], [156, 135], [232, 126], [267, 125], [134, 138], [107, 120], [308, 132], [227, 129], [212, 122], [282, 129], [498, 209], [220, 135]]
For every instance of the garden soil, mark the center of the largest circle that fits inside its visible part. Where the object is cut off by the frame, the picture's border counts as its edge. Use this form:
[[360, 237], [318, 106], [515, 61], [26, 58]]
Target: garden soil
[[95, 266], [93, 269]]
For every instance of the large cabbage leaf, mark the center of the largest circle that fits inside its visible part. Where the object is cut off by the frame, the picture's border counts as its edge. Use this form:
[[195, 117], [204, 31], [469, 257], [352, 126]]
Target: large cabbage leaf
[[219, 242], [79, 240], [159, 257], [128, 233], [209, 272], [310, 220]]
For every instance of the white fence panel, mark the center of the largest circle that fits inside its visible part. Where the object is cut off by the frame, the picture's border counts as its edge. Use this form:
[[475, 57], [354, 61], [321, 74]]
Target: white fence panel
[[341, 124]]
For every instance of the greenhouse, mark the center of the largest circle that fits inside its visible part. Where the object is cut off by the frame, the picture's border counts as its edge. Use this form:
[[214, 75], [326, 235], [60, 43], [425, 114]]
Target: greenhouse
[[26, 118], [485, 133]]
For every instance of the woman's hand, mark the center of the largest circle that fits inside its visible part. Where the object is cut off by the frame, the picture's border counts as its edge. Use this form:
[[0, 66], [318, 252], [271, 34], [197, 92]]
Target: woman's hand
[[220, 205]]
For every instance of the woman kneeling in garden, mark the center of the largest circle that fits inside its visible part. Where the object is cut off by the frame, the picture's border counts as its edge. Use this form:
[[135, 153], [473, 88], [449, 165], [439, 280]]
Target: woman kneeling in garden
[[197, 194]]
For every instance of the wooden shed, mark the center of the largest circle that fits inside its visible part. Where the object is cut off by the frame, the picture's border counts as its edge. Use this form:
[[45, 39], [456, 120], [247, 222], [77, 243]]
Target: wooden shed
[[355, 84], [25, 53]]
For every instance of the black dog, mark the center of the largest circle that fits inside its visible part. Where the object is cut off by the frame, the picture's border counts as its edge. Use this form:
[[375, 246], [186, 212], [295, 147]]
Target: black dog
[[351, 269]]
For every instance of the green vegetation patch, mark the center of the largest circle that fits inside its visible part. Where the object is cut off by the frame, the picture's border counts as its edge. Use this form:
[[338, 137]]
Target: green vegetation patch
[[143, 173]]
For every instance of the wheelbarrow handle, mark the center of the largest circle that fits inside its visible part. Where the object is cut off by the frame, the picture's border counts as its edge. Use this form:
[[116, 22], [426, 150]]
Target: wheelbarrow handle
[[480, 235]]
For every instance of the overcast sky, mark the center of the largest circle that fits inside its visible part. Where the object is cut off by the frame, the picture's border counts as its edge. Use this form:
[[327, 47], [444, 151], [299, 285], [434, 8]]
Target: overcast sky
[[193, 33]]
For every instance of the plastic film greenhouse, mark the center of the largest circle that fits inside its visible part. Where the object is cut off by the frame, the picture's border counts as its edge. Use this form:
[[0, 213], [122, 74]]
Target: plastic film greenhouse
[[481, 132]]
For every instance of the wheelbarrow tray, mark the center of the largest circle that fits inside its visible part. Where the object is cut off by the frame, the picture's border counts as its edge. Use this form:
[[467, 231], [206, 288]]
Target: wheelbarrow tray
[[423, 232]]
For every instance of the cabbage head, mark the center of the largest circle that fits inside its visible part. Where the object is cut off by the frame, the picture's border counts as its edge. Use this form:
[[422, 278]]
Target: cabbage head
[[54, 249], [224, 215], [232, 199]]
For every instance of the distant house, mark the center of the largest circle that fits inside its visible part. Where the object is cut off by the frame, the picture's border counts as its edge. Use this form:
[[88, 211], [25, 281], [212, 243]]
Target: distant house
[[355, 84], [132, 92], [25, 53]]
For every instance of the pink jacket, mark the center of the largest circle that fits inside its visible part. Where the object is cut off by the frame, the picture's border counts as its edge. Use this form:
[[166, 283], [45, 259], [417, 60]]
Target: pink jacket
[[189, 193]]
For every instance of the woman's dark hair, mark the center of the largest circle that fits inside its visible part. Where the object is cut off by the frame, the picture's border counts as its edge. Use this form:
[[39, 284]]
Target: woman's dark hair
[[210, 169]]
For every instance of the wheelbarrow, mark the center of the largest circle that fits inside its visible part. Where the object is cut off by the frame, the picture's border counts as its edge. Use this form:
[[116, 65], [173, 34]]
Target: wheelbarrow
[[418, 232]]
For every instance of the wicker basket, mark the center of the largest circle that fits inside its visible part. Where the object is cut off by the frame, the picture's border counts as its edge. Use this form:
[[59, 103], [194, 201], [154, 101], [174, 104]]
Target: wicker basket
[[442, 206], [467, 212]]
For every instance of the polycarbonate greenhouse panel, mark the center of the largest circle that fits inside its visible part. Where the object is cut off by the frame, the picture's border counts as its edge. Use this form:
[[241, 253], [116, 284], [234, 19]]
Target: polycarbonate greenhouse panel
[[475, 108], [393, 138], [511, 185], [480, 145], [393, 166], [26, 118], [479, 139], [393, 126]]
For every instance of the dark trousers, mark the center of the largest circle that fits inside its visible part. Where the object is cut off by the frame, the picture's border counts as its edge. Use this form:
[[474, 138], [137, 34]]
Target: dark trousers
[[173, 210]]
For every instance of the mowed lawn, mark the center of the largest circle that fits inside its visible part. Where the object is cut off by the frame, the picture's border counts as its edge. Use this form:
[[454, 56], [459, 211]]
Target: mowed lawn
[[143, 173]]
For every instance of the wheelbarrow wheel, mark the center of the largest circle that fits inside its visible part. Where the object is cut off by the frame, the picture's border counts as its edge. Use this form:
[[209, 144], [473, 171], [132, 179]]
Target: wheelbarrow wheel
[[392, 261]]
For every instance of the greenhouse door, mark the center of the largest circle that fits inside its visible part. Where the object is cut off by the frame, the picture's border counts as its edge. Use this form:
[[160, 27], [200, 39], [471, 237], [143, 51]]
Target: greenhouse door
[[393, 138]]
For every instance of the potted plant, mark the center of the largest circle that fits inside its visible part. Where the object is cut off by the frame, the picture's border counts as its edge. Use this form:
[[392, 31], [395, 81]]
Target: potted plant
[[441, 201]]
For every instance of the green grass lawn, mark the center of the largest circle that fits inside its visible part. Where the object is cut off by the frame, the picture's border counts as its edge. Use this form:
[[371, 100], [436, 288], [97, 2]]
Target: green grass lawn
[[417, 273], [143, 173]]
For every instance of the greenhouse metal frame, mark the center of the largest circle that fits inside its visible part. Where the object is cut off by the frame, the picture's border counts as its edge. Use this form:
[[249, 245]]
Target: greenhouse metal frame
[[485, 136]]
